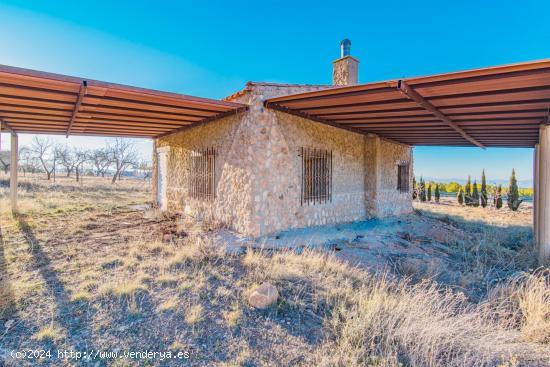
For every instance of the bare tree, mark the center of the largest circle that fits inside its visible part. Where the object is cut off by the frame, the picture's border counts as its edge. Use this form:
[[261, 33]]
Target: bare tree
[[41, 149], [101, 161], [145, 169], [123, 154], [81, 156], [67, 159], [5, 160], [28, 163]]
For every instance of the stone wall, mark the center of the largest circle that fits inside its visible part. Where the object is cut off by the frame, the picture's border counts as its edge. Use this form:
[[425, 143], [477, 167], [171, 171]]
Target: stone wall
[[277, 186], [232, 205], [258, 169]]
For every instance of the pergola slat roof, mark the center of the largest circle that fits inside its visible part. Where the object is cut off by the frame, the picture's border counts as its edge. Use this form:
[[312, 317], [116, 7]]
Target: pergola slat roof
[[500, 106], [38, 102]]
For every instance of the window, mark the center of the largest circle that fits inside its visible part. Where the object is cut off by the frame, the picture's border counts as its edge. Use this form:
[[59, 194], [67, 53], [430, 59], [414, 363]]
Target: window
[[403, 177], [201, 174], [316, 176]]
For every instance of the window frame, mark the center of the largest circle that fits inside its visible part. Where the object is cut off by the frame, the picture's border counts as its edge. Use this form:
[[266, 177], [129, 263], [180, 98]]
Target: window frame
[[202, 174], [403, 183], [316, 182]]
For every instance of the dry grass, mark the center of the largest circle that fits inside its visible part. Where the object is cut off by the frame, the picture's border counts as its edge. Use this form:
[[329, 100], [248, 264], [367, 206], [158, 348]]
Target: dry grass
[[99, 275], [49, 333], [194, 314]]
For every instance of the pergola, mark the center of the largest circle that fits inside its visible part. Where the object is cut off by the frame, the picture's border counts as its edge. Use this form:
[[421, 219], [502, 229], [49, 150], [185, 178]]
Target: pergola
[[44, 103], [504, 106]]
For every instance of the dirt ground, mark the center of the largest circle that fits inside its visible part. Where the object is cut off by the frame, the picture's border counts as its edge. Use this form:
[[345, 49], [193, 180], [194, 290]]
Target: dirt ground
[[86, 267]]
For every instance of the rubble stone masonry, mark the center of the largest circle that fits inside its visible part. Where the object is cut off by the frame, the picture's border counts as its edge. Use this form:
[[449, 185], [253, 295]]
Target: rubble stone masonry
[[258, 169]]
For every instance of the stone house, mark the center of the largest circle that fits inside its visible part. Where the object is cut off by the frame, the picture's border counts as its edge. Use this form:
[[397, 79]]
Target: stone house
[[263, 170]]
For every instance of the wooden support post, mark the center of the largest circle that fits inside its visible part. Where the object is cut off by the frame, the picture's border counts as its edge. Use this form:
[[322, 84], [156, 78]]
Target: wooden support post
[[536, 195], [543, 192], [13, 171]]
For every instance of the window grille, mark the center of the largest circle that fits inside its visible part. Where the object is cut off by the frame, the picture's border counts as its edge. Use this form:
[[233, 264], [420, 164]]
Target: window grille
[[201, 174], [316, 176], [403, 177]]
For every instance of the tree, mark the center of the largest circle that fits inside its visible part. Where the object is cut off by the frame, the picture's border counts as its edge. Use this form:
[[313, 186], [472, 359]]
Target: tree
[[5, 160], [414, 190], [80, 157], [101, 161], [66, 159], [422, 190], [453, 187], [123, 155], [460, 196], [430, 192], [437, 194], [468, 192], [513, 193], [475, 195], [41, 149], [483, 194], [498, 197], [27, 162]]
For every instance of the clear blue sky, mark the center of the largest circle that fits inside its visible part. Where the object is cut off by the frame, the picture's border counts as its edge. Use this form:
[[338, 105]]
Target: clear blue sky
[[211, 48]]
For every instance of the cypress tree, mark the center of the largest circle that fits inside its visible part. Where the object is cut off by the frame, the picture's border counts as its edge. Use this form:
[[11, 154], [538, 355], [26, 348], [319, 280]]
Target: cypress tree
[[422, 190], [414, 190], [460, 196], [475, 195], [513, 193], [430, 192], [498, 197], [483, 196], [468, 192], [436, 193]]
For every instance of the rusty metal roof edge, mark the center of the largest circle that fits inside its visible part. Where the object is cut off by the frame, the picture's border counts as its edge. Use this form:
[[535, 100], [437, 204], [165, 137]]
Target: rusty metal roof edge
[[115, 86], [528, 65]]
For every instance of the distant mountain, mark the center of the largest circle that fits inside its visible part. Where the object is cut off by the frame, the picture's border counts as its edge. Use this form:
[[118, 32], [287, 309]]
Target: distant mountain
[[503, 182]]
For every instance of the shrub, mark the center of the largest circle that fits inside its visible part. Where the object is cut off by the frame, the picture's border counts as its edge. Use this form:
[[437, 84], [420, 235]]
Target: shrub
[[437, 194], [468, 192], [475, 195], [430, 192], [422, 190], [453, 187], [483, 196], [513, 193], [460, 196], [498, 197]]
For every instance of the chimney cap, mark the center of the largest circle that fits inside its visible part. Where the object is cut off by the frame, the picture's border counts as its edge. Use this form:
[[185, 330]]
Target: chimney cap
[[345, 47]]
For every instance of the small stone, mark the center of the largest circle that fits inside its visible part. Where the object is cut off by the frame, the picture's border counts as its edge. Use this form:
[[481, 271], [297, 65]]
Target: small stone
[[263, 296], [167, 237], [8, 324]]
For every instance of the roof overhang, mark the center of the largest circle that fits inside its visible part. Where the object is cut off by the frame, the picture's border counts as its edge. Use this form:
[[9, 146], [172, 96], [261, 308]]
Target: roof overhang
[[501, 106], [38, 102]]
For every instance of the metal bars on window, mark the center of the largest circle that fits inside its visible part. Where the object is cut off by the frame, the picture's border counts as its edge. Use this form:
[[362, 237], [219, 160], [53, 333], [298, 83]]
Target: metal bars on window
[[316, 176], [201, 174], [403, 177]]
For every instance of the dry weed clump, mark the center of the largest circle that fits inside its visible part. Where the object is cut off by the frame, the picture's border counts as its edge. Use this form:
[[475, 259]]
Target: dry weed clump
[[377, 321], [523, 302]]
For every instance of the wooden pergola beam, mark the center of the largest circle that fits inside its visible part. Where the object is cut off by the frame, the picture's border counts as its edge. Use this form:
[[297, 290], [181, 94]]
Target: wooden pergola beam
[[5, 126], [415, 96], [81, 94]]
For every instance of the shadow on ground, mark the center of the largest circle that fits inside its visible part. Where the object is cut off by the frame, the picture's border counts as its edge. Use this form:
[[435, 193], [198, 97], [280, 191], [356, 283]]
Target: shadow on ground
[[72, 318], [7, 302]]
